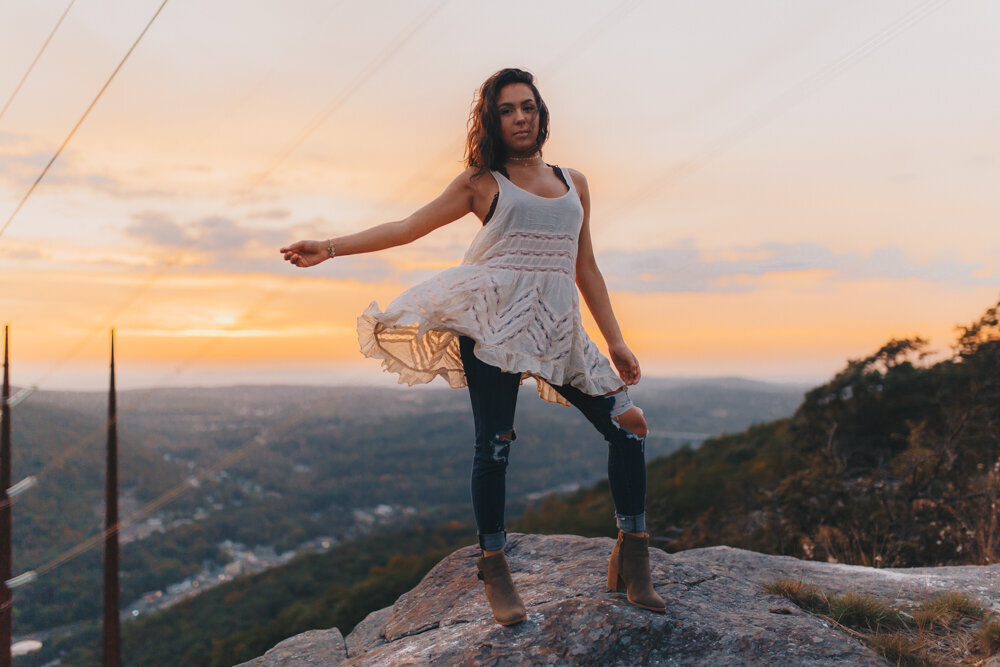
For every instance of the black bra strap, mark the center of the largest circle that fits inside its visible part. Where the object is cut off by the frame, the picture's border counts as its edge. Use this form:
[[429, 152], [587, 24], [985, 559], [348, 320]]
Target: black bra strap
[[493, 208], [559, 175]]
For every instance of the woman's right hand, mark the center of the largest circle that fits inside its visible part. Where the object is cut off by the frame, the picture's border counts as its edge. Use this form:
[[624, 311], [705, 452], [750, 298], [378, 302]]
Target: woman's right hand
[[306, 253]]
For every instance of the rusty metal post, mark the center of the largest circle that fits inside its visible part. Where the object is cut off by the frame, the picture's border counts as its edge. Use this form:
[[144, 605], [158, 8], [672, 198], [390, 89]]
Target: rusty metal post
[[6, 599], [111, 625]]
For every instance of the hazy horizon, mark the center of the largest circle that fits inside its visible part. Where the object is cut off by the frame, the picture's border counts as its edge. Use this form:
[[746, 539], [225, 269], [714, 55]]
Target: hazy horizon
[[126, 380]]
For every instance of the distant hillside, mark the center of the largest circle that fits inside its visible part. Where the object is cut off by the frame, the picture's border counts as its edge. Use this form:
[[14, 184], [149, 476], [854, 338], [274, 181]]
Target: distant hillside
[[245, 617], [332, 456], [894, 462]]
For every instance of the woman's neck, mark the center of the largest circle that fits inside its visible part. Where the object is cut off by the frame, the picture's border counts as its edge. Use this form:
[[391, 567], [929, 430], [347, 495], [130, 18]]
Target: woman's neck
[[531, 160]]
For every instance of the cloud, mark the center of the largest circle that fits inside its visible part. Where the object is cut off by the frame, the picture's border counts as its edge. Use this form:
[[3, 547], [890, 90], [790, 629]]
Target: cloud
[[21, 168], [24, 254], [212, 234], [219, 234], [10, 138], [221, 244], [158, 229], [271, 214], [685, 268]]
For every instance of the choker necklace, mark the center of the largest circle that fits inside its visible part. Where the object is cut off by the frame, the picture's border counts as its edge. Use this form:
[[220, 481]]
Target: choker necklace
[[524, 160]]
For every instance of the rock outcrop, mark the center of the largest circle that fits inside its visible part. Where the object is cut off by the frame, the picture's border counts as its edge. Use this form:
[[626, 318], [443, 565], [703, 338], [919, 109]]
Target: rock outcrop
[[716, 612]]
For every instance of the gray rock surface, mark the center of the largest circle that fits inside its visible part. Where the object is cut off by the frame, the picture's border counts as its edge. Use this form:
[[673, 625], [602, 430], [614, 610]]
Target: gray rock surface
[[902, 586], [316, 647], [716, 612]]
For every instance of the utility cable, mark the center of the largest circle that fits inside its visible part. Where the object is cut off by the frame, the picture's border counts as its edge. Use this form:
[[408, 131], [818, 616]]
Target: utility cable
[[360, 80], [779, 105], [66, 141], [261, 440], [405, 35], [37, 57], [591, 35], [391, 50]]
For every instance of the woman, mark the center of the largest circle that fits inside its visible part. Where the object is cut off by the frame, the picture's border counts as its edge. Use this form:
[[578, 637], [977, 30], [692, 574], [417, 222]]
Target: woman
[[511, 311]]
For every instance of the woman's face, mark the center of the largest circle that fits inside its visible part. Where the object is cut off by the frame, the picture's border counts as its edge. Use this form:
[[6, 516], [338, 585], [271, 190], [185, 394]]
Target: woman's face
[[518, 118]]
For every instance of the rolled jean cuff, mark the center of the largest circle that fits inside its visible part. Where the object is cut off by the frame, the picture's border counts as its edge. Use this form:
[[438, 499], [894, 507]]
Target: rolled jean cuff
[[493, 541], [635, 523]]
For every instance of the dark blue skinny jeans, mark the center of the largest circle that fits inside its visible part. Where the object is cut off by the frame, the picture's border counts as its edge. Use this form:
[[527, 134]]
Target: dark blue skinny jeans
[[494, 397]]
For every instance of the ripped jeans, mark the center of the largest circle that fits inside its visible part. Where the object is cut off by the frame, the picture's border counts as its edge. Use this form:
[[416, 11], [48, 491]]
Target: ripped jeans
[[494, 397]]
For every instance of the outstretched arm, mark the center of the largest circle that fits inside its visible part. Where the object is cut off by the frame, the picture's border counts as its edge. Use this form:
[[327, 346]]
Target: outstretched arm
[[450, 205], [595, 293]]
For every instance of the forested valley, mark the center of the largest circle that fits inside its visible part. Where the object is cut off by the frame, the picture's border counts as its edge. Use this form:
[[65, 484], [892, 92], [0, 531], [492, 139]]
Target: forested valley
[[219, 483]]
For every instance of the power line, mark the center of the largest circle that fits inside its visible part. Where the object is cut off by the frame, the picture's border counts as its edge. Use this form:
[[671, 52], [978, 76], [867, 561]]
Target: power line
[[391, 50], [791, 96], [591, 33], [37, 57], [261, 440], [405, 35], [779, 105], [91, 437], [578, 45], [590, 36], [360, 80], [66, 141]]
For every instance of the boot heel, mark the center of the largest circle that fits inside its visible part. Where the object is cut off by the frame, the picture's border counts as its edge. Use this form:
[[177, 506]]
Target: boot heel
[[615, 583]]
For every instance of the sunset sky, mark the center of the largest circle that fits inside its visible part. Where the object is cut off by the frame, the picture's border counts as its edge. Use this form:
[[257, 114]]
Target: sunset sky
[[777, 186]]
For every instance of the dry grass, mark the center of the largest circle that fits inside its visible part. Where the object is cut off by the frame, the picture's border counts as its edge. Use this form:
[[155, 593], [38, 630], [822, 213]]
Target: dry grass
[[804, 595], [864, 612], [988, 635], [899, 649], [950, 629], [947, 610]]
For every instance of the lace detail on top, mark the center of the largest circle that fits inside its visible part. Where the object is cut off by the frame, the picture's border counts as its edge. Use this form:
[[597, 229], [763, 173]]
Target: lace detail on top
[[514, 294]]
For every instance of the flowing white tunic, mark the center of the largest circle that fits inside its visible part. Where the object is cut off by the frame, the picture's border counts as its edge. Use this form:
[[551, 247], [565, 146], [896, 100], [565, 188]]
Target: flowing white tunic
[[514, 294]]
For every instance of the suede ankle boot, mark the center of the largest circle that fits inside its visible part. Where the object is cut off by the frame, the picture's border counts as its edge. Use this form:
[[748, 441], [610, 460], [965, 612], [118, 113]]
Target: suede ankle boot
[[504, 600], [628, 572]]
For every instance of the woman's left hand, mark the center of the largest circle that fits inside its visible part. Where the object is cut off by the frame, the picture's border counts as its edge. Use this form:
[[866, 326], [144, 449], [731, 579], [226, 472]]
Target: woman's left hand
[[625, 362], [306, 253]]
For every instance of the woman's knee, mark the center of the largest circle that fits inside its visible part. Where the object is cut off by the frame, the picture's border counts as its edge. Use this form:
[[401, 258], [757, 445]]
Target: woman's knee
[[633, 421], [492, 454]]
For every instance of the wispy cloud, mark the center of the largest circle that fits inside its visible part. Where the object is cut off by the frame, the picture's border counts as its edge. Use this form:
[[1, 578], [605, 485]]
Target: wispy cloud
[[683, 267], [221, 244], [271, 214], [224, 244], [22, 254], [158, 229], [21, 168]]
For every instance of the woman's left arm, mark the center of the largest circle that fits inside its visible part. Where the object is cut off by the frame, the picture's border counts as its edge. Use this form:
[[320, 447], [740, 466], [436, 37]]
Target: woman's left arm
[[595, 293]]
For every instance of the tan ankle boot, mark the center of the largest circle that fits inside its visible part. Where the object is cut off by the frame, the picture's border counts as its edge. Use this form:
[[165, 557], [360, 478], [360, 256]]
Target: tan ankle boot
[[628, 572], [504, 600]]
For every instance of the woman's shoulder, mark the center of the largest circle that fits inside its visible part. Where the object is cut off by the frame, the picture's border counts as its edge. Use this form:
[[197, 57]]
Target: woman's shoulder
[[579, 180], [472, 180], [477, 180]]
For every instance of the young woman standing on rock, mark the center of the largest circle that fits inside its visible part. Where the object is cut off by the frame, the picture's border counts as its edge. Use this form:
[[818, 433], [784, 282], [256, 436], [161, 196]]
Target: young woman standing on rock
[[511, 311]]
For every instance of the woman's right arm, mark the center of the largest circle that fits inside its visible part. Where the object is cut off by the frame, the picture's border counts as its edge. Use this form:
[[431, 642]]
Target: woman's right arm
[[456, 201]]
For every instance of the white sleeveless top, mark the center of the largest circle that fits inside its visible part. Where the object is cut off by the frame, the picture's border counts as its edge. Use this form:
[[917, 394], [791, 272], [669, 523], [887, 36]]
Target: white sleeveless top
[[514, 294]]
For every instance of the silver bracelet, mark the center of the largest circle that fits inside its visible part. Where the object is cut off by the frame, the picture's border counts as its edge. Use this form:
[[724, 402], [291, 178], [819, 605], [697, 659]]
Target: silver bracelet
[[329, 249]]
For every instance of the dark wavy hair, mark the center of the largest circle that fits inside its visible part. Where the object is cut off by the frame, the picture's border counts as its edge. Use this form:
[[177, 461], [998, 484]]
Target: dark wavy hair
[[484, 147]]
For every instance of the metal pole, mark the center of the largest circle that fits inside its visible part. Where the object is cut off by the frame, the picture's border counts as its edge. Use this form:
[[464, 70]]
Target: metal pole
[[6, 598], [111, 591]]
